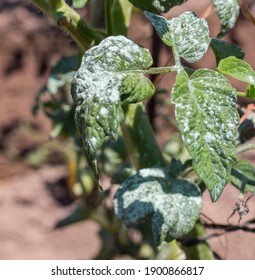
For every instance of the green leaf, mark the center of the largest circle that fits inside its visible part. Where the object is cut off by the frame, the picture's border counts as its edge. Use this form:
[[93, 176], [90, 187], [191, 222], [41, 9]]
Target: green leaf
[[110, 73], [156, 6], [188, 35], [243, 176], [237, 69], [207, 116], [172, 205], [121, 12], [65, 64], [251, 91], [223, 49], [80, 213], [228, 12], [62, 119], [197, 250], [79, 3], [56, 82], [61, 73], [121, 174]]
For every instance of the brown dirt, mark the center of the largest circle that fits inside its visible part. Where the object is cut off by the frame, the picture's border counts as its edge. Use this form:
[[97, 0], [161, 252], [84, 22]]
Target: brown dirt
[[29, 44]]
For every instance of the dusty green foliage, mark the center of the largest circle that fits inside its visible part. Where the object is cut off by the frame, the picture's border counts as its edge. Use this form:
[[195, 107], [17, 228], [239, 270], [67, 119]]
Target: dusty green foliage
[[172, 205], [207, 116], [205, 103], [228, 12], [188, 35], [108, 76], [111, 75]]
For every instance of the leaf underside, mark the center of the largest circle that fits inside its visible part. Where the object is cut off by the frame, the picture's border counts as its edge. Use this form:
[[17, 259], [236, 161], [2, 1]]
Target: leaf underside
[[156, 6], [228, 12], [105, 78], [207, 117], [172, 205], [188, 35]]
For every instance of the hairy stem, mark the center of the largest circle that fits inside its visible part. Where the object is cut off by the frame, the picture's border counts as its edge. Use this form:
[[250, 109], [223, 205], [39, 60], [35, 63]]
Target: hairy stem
[[108, 19], [245, 148], [71, 21], [177, 59], [241, 94], [156, 50], [139, 138]]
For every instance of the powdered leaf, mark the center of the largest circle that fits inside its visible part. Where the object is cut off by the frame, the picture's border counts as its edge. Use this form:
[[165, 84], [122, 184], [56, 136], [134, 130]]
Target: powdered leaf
[[237, 69], [207, 116], [228, 11], [188, 35], [108, 75], [172, 205], [156, 6]]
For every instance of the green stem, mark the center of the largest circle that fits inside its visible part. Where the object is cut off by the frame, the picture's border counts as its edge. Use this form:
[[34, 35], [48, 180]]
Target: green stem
[[55, 4], [139, 138], [200, 251], [71, 21], [241, 94], [152, 71], [160, 70], [108, 18], [164, 70], [177, 60], [245, 148]]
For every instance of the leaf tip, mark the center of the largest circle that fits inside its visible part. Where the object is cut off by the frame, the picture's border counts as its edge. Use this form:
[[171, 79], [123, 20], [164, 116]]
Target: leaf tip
[[215, 193]]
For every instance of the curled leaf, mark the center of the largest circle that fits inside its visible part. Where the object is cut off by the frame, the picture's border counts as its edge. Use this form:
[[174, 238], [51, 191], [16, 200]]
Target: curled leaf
[[172, 205], [110, 73], [228, 12]]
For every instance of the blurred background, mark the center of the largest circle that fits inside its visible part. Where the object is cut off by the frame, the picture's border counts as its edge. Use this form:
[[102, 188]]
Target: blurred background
[[35, 171]]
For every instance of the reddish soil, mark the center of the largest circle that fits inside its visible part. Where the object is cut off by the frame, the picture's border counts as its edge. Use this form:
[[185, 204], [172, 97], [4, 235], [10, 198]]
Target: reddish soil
[[30, 44]]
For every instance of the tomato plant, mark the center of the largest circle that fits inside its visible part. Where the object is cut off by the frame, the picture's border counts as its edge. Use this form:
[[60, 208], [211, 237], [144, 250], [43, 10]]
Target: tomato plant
[[156, 196]]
